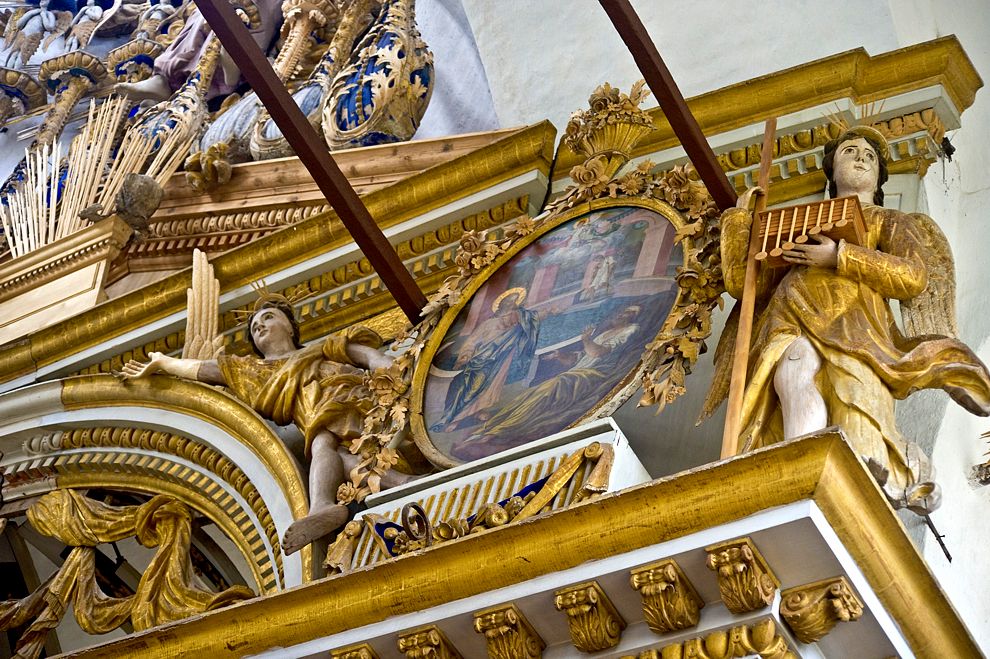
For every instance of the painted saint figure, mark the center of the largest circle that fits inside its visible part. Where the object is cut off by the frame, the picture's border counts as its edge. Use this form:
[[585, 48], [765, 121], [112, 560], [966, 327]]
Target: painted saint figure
[[536, 412], [320, 388], [505, 341], [826, 349]]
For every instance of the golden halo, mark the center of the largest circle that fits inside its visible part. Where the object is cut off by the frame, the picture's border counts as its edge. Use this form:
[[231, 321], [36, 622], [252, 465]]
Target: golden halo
[[518, 291]]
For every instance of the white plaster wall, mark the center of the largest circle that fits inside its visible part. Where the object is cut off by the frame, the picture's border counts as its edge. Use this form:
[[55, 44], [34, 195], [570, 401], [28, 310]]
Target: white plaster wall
[[958, 196], [544, 58]]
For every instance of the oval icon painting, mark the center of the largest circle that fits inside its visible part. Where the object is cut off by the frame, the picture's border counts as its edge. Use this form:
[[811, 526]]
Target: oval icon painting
[[551, 333]]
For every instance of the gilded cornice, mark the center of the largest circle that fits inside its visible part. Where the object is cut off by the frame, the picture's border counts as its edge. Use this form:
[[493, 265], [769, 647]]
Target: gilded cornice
[[854, 74], [823, 469], [528, 149], [92, 244], [349, 293]]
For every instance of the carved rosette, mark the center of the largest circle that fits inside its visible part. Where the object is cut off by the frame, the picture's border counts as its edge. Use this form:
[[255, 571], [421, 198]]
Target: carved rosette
[[508, 634], [427, 643], [812, 610], [761, 639], [362, 651], [592, 619], [670, 602], [745, 581]]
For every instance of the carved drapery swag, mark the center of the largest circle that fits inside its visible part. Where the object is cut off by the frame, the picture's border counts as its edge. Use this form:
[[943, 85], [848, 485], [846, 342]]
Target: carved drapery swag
[[167, 590]]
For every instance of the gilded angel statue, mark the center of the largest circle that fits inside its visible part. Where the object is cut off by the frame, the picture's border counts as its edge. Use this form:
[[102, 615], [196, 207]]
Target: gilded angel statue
[[826, 349], [320, 388]]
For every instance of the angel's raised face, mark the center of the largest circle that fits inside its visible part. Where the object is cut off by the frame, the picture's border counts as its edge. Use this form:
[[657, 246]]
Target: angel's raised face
[[272, 332], [857, 167]]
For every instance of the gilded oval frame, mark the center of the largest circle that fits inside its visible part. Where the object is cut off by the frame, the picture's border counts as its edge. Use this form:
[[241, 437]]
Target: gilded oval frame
[[616, 396]]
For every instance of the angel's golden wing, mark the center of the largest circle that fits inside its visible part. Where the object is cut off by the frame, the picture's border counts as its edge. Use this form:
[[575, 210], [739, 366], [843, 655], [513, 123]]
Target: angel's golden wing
[[203, 340], [934, 310]]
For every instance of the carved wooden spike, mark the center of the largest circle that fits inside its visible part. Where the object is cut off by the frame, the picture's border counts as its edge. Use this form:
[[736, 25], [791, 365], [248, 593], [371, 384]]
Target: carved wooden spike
[[508, 634], [670, 602], [362, 651], [745, 581], [427, 643], [594, 623], [761, 639], [812, 610]]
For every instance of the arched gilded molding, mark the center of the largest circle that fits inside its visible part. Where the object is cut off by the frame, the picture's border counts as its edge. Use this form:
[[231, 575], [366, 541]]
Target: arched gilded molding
[[157, 473], [188, 409]]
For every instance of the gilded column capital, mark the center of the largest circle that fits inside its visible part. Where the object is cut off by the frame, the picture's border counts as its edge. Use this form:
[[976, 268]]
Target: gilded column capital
[[745, 581], [508, 634], [812, 610], [670, 602], [427, 643], [592, 619], [362, 651]]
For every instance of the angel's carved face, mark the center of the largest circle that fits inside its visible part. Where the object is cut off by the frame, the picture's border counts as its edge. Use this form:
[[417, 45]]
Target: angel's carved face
[[857, 167], [271, 331]]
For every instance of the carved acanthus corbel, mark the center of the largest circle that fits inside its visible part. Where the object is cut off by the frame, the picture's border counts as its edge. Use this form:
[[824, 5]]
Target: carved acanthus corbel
[[508, 634], [427, 643], [745, 581], [670, 602], [593, 621], [362, 651], [812, 610]]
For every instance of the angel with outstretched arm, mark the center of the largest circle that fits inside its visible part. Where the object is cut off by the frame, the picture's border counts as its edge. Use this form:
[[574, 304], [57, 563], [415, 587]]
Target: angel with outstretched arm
[[320, 388], [826, 350]]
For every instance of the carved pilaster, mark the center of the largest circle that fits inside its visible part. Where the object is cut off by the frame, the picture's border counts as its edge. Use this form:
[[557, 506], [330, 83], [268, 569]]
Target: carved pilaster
[[427, 643], [745, 581], [812, 610], [670, 602], [594, 623], [508, 634], [362, 651]]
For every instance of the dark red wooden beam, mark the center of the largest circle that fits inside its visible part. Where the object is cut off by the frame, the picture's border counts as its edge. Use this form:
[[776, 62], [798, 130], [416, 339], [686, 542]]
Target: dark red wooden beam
[[314, 155], [662, 84]]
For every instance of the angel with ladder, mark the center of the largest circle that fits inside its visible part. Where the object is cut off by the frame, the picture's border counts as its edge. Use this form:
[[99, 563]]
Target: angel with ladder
[[321, 388], [825, 348]]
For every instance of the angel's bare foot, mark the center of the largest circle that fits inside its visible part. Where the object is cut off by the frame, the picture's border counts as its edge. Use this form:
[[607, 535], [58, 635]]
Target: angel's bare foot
[[154, 88], [313, 526]]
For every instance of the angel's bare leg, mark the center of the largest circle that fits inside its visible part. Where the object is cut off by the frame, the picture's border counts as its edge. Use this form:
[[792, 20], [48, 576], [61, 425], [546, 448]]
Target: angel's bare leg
[[155, 88], [801, 403], [326, 473], [392, 478]]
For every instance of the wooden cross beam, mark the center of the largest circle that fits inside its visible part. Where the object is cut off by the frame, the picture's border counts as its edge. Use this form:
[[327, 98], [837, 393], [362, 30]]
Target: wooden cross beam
[[314, 155], [662, 84]]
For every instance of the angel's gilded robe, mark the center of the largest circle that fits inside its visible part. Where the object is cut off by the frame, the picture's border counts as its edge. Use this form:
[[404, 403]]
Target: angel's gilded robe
[[844, 313], [317, 387]]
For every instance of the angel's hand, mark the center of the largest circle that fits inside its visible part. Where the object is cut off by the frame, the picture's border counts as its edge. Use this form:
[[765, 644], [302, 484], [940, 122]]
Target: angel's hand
[[746, 197], [135, 369], [823, 255]]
